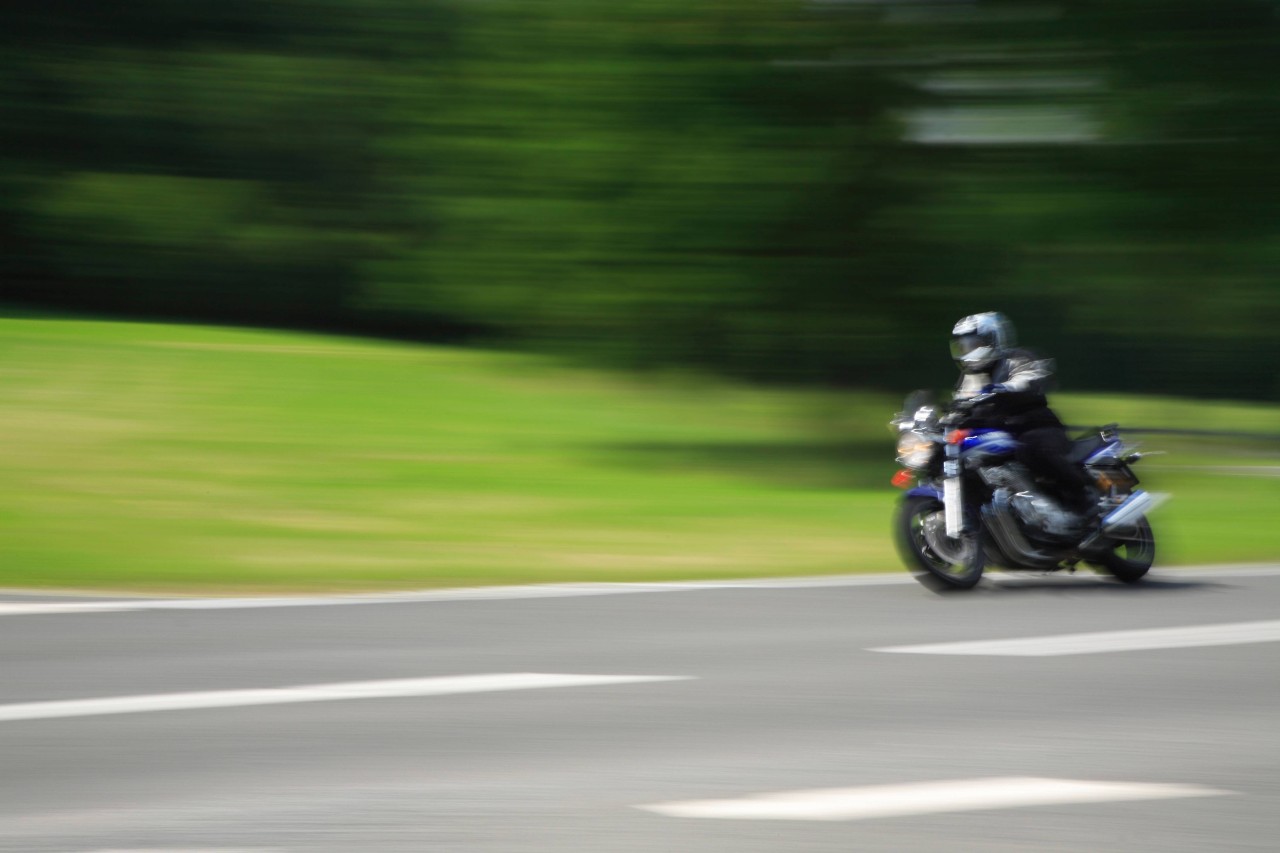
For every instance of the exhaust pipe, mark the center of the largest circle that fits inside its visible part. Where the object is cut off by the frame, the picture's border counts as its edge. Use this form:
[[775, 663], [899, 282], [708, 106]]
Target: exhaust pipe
[[1135, 506]]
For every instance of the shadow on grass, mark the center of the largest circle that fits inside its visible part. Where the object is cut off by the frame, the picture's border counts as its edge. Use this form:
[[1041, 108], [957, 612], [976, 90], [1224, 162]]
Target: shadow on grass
[[819, 464]]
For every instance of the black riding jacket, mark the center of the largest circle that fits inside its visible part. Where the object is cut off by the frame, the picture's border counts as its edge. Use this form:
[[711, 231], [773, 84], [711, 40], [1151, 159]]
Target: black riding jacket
[[1018, 384]]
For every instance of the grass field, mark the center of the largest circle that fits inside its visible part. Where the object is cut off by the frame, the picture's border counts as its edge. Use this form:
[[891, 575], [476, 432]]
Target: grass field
[[193, 459]]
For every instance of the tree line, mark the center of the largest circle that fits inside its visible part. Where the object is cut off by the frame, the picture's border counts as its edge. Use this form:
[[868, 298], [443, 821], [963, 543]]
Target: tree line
[[779, 190]]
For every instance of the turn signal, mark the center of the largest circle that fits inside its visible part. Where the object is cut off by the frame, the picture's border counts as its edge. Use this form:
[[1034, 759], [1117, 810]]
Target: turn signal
[[957, 435], [902, 479]]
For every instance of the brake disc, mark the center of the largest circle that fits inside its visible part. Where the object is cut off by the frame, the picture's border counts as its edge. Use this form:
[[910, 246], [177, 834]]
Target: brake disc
[[934, 528]]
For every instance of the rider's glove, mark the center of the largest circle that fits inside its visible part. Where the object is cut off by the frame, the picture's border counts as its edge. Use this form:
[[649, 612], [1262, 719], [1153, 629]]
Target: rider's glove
[[961, 410], [978, 399], [988, 390]]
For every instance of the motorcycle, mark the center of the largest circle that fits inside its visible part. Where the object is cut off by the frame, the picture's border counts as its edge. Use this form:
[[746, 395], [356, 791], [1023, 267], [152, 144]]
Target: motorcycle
[[970, 503]]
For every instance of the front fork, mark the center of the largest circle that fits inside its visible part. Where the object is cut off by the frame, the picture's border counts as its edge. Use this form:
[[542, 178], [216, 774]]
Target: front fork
[[952, 498]]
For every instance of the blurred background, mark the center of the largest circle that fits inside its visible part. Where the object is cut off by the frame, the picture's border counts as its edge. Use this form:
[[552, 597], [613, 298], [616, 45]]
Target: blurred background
[[367, 236], [790, 191], [366, 295], [360, 295]]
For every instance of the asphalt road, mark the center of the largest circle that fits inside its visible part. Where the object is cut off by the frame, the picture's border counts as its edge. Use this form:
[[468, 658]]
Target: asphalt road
[[781, 689]]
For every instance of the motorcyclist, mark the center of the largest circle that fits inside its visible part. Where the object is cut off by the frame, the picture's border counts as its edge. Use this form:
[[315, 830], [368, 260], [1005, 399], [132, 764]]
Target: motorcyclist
[[1004, 386]]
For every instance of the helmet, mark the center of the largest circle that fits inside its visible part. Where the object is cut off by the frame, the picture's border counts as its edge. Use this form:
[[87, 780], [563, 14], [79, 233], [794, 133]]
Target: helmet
[[980, 340]]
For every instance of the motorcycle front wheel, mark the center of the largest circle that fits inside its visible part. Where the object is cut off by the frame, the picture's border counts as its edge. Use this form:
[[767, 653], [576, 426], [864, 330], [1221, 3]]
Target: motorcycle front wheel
[[938, 561], [1129, 559]]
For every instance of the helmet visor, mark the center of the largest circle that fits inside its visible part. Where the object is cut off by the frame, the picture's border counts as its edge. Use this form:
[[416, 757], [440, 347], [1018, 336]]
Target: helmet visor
[[972, 347]]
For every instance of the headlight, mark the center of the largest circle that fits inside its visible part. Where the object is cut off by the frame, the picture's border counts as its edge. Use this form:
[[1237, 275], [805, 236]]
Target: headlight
[[914, 450]]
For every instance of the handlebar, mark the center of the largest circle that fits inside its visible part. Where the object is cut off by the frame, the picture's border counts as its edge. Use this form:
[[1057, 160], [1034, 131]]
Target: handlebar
[[962, 409]]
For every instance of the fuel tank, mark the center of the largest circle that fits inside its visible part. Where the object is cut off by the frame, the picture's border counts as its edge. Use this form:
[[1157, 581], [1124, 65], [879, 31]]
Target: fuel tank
[[987, 445]]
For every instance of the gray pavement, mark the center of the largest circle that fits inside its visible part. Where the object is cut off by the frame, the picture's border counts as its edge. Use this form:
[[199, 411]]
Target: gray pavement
[[784, 694]]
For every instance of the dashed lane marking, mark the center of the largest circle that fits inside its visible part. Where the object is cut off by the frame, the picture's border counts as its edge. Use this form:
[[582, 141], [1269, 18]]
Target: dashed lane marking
[[881, 801], [1100, 642], [392, 689]]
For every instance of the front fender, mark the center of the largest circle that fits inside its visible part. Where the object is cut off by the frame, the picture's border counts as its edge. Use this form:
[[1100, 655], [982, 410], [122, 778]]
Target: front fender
[[924, 492]]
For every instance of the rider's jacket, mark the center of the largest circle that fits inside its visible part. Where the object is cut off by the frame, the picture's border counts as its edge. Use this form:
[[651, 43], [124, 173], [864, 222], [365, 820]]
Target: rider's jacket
[[1017, 385]]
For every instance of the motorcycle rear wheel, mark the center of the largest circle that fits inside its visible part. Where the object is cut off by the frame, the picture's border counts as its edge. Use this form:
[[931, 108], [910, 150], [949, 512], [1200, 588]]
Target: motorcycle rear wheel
[[936, 560], [1129, 559]]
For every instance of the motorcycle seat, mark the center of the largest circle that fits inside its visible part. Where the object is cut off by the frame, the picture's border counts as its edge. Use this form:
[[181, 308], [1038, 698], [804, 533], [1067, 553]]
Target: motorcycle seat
[[1083, 448]]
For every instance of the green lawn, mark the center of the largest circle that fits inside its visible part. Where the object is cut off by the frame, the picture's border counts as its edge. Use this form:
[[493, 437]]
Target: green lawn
[[189, 458]]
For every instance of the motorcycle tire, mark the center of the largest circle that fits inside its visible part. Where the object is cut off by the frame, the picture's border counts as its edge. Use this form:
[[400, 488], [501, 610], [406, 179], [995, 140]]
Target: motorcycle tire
[[959, 569], [1128, 560]]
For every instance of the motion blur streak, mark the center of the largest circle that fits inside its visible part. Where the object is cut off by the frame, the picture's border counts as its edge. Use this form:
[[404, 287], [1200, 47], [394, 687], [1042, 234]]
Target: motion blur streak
[[773, 188]]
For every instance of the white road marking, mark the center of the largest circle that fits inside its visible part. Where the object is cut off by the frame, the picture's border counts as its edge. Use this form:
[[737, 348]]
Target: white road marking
[[78, 605], [395, 688], [878, 801], [1100, 642], [490, 593]]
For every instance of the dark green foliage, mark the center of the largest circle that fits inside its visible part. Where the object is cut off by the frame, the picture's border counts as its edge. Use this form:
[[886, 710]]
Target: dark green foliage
[[784, 191]]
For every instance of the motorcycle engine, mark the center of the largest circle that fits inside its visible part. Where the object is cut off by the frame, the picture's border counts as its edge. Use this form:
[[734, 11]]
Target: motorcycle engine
[[1035, 512], [1041, 513], [1013, 477]]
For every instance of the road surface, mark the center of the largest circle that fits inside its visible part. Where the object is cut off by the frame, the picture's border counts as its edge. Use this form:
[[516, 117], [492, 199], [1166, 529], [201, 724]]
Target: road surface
[[827, 715]]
